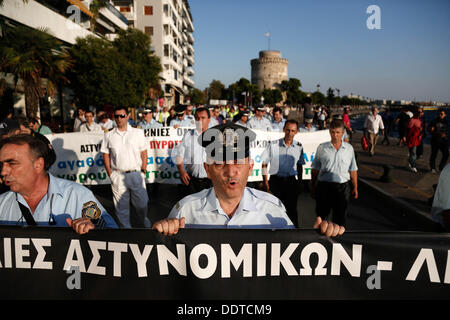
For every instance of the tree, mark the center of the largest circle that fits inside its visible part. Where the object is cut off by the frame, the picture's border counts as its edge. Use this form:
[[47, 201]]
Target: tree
[[318, 98], [32, 55], [330, 96], [119, 73], [272, 96], [215, 89], [197, 96], [291, 87], [95, 7]]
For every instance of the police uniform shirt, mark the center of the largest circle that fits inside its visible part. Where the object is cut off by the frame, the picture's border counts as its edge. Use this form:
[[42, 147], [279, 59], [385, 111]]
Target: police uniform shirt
[[212, 122], [124, 148], [185, 122], [334, 165], [278, 126], [64, 199], [305, 129], [283, 159], [85, 127], [257, 210], [191, 118], [263, 124], [241, 123], [148, 125], [192, 153]]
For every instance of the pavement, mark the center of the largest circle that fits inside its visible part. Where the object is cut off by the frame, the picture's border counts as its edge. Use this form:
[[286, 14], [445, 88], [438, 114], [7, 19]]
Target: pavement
[[410, 193]]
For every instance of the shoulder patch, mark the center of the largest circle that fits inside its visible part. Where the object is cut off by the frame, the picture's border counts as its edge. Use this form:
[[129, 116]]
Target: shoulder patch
[[90, 210], [262, 195]]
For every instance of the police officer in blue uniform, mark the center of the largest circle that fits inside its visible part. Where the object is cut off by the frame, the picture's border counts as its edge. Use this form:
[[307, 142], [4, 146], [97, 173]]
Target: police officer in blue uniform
[[37, 197], [286, 160], [149, 122], [229, 203], [181, 120]]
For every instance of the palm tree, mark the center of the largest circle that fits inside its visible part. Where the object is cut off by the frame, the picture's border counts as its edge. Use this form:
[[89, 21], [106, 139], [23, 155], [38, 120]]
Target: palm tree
[[95, 8], [32, 55]]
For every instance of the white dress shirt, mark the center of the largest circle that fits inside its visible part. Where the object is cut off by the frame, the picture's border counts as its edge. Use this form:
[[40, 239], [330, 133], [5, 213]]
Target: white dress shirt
[[373, 124], [124, 148]]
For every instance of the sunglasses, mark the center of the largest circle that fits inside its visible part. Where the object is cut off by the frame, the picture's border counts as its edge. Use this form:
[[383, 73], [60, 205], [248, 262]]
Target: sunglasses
[[120, 116]]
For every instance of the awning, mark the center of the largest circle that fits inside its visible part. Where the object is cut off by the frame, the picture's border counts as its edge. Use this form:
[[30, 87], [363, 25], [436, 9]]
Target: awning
[[82, 7]]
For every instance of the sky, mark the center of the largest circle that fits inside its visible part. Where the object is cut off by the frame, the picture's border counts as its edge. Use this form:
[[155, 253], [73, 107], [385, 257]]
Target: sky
[[327, 42]]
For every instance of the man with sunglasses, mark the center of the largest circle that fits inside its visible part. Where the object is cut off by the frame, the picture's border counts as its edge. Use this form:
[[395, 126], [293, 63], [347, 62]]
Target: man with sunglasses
[[124, 151], [149, 122]]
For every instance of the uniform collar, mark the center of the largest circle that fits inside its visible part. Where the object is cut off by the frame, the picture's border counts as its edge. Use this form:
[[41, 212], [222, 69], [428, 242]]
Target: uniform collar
[[247, 202]]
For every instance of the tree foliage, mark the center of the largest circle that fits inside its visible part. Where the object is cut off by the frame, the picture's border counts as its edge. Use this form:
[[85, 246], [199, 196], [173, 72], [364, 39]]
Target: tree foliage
[[32, 55], [119, 73]]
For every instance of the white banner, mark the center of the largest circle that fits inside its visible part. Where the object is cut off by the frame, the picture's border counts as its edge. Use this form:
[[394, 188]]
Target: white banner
[[79, 158]]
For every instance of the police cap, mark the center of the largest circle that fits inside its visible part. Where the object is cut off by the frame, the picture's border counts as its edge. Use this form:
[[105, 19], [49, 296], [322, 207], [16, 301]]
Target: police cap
[[226, 142], [180, 108]]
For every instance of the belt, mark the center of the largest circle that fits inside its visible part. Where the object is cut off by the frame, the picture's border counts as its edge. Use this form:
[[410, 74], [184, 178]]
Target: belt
[[128, 171], [282, 178]]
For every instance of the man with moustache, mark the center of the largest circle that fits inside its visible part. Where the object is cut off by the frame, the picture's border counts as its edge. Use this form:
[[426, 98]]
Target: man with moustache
[[229, 203]]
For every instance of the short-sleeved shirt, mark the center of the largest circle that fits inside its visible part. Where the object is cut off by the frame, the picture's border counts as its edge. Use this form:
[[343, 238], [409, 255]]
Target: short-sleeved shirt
[[256, 210], [148, 125], [373, 124], [94, 127], [283, 159], [124, 148], [263, 124], [278, 126], [305, 129], [185, 122], [64, 199], [334, 165], [192, 153], [441, 200]]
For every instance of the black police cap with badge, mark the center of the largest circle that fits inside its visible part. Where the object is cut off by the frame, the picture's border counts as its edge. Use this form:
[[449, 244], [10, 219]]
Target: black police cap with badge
[[227, 142], [180, 109]]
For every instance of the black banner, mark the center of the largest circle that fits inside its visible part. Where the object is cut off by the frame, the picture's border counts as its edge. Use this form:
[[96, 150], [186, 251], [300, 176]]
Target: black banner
[[56, 263]]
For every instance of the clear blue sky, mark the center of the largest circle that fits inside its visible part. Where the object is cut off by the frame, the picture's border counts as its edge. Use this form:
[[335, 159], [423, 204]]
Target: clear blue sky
[[327, 42]]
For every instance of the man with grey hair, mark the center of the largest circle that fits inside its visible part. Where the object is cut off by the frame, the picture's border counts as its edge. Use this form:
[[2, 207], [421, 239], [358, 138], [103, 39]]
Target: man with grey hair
[[372, 126]]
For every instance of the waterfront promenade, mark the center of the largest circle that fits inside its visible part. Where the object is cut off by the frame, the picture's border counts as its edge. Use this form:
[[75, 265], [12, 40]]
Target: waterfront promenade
[[410, 192]]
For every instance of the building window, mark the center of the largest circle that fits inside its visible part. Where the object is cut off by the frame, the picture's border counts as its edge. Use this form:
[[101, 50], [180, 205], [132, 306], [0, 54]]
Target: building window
[[148, 10], [149, 31], [175, 74]]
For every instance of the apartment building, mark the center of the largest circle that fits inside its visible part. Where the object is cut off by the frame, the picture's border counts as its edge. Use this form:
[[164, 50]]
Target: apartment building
[[170, 25], [66, 20]]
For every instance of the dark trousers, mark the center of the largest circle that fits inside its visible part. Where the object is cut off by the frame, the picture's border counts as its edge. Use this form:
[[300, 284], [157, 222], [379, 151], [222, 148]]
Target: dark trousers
[[195, 185], [438, 144], [287, 190], [333, 197]]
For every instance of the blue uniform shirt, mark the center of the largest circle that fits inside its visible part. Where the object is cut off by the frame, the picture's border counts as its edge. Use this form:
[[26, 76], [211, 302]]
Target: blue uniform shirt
[[278, 126], [148, 125], [283, 159], [64, 199], [263, 124], [334, 165], [256, 210], [186, 122], [305, 129], [192, 153]]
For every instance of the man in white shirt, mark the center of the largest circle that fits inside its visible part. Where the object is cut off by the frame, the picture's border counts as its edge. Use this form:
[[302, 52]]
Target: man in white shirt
[[90, 125], [124, 151], [372, 126]]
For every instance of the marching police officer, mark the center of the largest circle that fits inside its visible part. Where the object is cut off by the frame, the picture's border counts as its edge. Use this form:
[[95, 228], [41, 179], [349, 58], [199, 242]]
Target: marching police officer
[[229, 203]]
